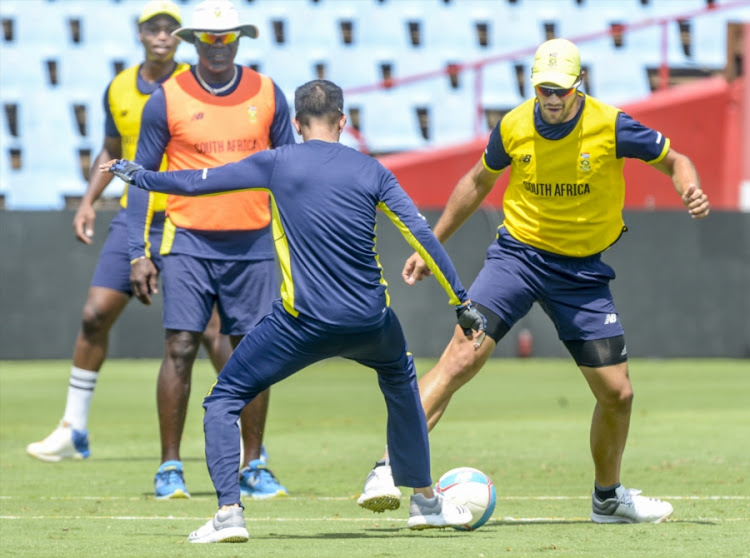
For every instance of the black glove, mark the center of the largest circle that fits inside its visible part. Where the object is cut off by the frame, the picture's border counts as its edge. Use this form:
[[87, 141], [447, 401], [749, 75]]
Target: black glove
[[125, 170], [470, 319]]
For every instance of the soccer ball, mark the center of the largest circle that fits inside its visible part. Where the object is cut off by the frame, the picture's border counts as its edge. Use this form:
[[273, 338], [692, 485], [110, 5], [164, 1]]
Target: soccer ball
[[471, 488]]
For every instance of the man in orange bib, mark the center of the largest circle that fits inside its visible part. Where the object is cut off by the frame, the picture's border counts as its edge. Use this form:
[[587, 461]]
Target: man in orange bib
[[218, 249]]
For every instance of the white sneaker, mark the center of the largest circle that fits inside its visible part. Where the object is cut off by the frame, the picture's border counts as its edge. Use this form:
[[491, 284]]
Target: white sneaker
[[628, 506], [225, 526], [64, 443], [380, 492], [436, 512]]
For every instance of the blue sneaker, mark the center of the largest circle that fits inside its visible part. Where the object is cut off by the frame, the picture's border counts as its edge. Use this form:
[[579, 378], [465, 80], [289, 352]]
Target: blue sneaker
[[263, 453], [169, 482], [258, 482]]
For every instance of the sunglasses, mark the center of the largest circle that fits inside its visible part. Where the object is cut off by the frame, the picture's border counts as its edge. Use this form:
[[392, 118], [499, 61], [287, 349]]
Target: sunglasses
[[561, 92], [211, 38]]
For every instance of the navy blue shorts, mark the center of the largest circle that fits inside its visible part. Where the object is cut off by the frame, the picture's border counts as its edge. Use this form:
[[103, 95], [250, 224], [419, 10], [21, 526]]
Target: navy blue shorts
[[243, 292], [574, 292], [113, 268]]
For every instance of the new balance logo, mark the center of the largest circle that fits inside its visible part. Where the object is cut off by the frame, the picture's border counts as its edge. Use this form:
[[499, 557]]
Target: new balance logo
[[610, 319], [197, 116]]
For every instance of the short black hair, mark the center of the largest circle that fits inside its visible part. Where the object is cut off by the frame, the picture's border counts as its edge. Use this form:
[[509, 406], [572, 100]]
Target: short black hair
[[319, 98]]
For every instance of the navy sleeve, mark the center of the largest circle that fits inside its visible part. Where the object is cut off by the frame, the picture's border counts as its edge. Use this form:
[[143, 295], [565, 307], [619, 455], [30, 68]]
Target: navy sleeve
[[401, 210], [495, 156], [282, 132], [252, 172], [636, 141], [110, 128], [152, 142], [154, 135]]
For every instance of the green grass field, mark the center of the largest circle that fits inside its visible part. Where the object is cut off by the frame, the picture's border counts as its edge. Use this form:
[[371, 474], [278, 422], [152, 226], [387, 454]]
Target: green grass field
[[523, 422]]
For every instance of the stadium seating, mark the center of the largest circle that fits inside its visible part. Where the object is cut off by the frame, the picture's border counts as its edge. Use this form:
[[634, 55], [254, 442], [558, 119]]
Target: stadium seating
[[350, 43]]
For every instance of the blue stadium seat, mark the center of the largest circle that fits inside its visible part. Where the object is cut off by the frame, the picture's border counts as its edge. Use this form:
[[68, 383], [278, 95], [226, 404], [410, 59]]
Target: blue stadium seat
[[110, 26], [39, 24], [21, 70], [616, 77], [379, 25], [710, 36], [351, 67], [7, 142], [644, 45], [451, 121], [514, 28], [50, 162], [500, 86], [389, 122], [448, 34]]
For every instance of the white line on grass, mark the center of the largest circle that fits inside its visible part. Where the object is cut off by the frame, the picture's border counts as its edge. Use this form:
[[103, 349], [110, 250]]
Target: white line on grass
[[346, 499], [335, 519]]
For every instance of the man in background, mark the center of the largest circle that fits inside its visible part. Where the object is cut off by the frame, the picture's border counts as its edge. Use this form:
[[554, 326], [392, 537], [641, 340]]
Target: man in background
[[110, 289]]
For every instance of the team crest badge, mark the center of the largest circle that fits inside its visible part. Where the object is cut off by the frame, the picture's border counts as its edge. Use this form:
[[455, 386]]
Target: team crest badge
[[585, 162], [252, 112]]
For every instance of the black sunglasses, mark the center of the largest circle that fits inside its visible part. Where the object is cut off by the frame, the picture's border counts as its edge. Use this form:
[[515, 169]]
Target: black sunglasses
[[561, 92]]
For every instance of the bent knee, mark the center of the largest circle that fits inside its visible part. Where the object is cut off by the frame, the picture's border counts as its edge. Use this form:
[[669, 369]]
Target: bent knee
[[460, 362]]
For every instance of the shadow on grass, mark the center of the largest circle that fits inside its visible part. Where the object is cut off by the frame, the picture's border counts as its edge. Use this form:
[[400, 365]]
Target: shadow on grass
[[365, 534], [155, 459]]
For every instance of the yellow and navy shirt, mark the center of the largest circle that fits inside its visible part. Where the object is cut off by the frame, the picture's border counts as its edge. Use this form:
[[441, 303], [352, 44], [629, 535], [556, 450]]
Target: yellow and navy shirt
[[324, 201], [566, 190], [196, 129], [124, 99]]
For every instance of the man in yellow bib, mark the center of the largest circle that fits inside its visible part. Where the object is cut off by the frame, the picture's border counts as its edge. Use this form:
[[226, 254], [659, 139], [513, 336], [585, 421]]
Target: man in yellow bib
[[110, 289], [563, 207]]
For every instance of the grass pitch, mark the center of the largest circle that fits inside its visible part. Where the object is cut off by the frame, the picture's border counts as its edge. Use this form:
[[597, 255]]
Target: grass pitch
[[523, 422]]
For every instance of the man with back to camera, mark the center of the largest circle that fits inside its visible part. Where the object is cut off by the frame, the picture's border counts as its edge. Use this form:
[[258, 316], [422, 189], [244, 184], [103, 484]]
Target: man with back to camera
[[334, 300], [563, 207], [218, 250]]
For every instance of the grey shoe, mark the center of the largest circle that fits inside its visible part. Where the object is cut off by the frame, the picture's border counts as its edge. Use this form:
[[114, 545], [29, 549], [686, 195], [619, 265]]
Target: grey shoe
[[436, 512], [226, 526], [380, 492], [628, 506]]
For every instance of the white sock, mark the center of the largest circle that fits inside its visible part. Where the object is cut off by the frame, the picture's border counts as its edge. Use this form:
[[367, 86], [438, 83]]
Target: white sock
[[80, 392]]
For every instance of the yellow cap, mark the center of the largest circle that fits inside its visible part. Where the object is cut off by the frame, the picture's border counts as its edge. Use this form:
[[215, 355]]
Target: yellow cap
[[158, 7], [557, 62]]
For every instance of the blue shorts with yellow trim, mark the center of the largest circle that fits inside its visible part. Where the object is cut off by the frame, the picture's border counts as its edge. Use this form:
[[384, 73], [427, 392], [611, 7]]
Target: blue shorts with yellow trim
[[113, 268], [574, 292], [242, 290]]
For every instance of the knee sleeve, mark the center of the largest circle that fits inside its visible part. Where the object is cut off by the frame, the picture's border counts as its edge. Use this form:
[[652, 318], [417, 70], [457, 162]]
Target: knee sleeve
[[598, 352], [496, 327]]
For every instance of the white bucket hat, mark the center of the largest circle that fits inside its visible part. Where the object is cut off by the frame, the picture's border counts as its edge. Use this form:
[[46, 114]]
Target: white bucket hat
[[215, 16]]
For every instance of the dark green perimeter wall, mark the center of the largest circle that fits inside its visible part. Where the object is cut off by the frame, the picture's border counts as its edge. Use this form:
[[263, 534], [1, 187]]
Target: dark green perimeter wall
[[682, 288]]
